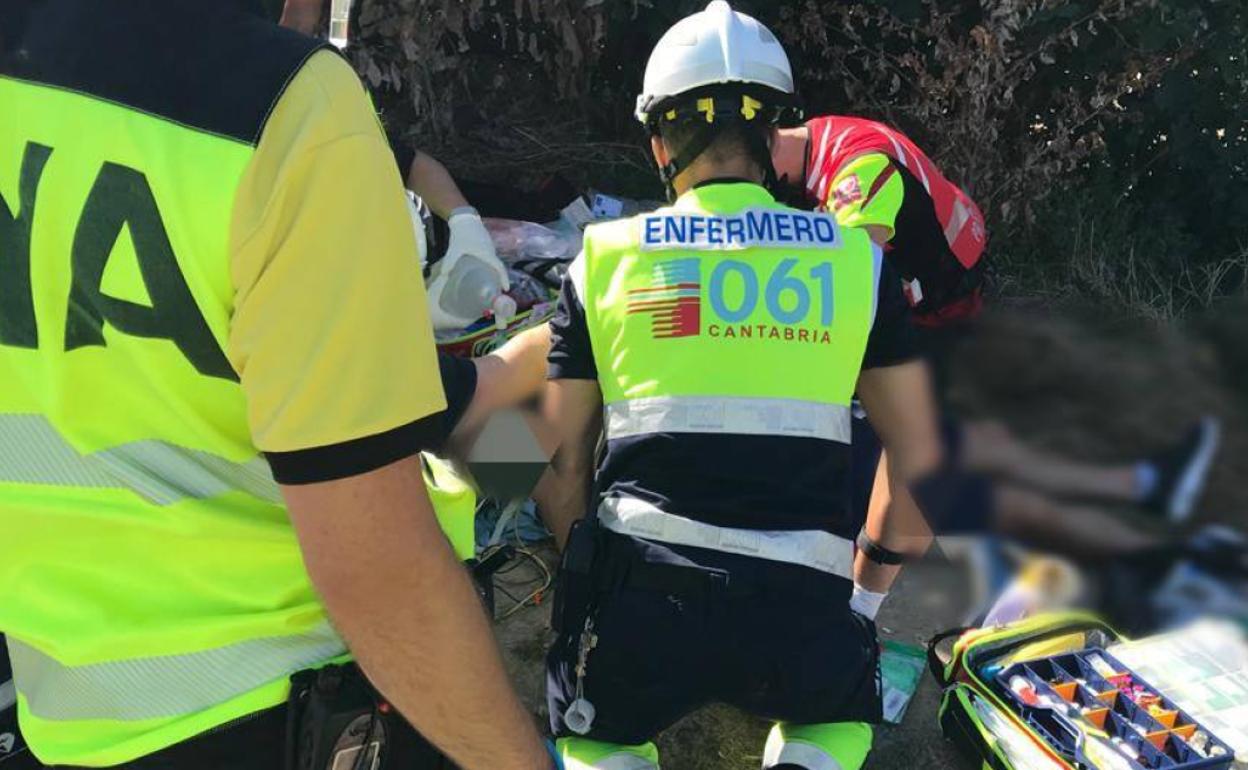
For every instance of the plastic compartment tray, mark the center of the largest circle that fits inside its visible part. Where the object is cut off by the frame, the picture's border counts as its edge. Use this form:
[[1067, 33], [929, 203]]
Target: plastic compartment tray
[[1096, 694]]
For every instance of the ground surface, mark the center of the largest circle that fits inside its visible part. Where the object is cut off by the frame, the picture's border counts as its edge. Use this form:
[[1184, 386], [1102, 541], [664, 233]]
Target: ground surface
[[723, 739], [1074, 381]]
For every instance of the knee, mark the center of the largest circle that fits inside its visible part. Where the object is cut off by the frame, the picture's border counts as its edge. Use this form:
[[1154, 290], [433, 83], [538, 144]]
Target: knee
[[843, 745]]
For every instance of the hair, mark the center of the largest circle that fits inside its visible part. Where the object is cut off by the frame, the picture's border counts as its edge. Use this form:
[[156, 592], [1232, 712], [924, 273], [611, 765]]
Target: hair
[[732, 137]]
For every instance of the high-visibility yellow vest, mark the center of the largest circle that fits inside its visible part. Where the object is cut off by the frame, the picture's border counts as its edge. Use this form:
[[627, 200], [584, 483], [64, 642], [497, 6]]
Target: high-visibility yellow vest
[[677, 306], [727, 313], [181, 602]]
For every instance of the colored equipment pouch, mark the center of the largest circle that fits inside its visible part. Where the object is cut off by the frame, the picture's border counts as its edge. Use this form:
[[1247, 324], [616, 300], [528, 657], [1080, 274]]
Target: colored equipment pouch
[[336, 720], [1039, 695]]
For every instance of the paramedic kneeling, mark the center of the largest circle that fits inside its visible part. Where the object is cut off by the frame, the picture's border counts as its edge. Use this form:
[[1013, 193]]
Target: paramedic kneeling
[[725, 335]]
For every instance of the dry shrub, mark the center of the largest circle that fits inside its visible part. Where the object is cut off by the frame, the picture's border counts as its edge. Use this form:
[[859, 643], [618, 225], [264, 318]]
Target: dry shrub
[[1113, 115]]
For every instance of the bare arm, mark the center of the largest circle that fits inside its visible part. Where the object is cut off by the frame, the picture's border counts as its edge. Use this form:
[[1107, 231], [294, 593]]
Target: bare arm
[[302, 15], [433, 183], [880, 235], [506, 378], [574, 407], [900, 405], [410, 615]]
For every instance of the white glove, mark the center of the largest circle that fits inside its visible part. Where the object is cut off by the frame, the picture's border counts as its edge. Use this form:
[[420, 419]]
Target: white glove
[[469, 236], [866, 603]]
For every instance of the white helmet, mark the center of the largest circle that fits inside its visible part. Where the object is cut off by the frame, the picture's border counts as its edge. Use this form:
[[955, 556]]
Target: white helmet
[[715, 46]]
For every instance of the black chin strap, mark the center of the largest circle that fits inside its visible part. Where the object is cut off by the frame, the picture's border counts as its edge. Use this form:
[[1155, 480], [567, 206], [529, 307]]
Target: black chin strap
[[685, 158], [756, 146], [761, 153]]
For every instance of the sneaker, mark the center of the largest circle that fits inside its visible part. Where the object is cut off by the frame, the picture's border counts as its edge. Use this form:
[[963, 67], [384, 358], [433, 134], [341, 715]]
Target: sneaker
[[1182, 471]]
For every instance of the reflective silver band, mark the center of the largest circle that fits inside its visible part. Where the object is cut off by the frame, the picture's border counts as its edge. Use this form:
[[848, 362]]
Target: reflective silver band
[[809, 548], [728, 415], [32, 451], [957, 220], [167, 685], [621, 761], [801, 754]]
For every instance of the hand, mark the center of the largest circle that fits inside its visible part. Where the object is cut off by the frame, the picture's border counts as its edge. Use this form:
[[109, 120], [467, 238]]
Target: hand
[[469, 236]]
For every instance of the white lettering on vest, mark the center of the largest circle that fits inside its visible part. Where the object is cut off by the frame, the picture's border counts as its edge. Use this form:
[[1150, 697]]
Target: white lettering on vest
[[751, 228]]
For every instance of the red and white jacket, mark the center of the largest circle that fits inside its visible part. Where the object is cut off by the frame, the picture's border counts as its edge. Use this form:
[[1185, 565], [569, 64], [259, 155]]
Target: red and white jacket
[[836, 140]]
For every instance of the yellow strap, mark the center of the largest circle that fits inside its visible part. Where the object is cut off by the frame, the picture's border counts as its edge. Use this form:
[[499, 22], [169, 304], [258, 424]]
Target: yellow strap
[[750, 107], [707, 106]]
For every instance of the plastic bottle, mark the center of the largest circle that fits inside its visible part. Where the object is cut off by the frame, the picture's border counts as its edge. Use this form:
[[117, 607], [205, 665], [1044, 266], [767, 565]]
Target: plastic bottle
[[466, 293]]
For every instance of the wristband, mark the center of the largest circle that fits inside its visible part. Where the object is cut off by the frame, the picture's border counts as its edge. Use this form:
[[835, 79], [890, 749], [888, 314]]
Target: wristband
[[462, 210], [878, 553]]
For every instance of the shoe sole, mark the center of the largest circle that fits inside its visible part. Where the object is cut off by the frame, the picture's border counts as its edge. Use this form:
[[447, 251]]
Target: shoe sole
[[1192, 480]]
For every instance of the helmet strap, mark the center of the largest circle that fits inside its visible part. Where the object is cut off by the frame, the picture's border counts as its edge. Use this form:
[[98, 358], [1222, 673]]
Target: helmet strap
[[684, 158], [761, 153]]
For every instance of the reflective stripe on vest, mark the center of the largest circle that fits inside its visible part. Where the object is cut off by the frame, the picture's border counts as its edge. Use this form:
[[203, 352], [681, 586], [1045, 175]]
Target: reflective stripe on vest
[[621, 761], [800, 754], [149, 523], [808, 548], [33, 452], [166, 685], [728, 415]]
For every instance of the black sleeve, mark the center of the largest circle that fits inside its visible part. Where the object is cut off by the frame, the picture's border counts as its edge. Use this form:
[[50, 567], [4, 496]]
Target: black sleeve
[[571, 357], [459, 382], [892, 339], [351, 458], [404, 155]]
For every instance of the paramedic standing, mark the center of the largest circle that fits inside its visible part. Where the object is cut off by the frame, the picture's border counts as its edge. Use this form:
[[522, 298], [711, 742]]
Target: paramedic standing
[[725, 335], [216, 372]]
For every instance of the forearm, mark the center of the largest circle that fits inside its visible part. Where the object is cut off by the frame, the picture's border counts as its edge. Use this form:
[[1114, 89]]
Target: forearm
[[511, 375], [894, 522], [475, 718], [507, 378], [564, 495], [409, 614], [302, 15], [575, 407], [433, 183], [899, 404]]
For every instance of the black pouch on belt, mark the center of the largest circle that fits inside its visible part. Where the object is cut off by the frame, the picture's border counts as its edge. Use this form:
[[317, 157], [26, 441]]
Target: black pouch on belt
[[576, 586], [336, 720]]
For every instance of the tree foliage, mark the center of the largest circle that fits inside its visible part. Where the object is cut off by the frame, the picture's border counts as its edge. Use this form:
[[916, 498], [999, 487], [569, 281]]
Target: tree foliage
[[1123, 115]]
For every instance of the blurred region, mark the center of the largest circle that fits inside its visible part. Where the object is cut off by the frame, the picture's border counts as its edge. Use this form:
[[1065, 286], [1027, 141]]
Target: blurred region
[[1107, 415]]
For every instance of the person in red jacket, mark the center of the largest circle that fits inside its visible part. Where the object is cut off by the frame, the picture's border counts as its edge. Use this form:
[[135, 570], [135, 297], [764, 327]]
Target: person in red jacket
[[871, 175]]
